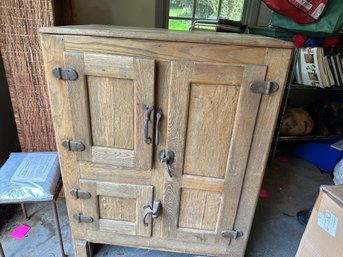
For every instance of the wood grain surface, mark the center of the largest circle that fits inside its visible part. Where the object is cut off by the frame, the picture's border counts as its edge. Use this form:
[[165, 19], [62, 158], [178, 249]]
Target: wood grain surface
[[169, 35], [107, 107], [219, 130]]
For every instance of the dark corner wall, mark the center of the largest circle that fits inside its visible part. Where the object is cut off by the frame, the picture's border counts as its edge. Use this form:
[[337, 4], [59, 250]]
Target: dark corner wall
[[8, 131]]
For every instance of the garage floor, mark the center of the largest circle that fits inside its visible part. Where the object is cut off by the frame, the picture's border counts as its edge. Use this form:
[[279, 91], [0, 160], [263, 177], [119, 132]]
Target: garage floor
[[292, 186]]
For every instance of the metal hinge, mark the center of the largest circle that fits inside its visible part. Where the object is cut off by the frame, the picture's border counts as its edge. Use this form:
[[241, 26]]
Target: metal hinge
[[65, 73], [79, 194], [73, 145], [232, 234], [83, 218], [264, 87]]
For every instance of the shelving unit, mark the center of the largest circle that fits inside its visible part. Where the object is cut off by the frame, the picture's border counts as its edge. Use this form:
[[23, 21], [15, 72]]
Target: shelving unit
[[291, 87], [308, 137], [303, 87], [311, 136]]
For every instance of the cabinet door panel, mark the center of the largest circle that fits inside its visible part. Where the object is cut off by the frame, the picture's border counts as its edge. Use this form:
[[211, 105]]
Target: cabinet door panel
[[199, 209], [106, 104], [211, 120], [208, 105], [116, 207], [111, 112]]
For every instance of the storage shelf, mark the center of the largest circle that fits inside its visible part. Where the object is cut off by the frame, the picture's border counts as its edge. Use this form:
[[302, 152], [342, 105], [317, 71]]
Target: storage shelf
[[308, 137], [303, 87]]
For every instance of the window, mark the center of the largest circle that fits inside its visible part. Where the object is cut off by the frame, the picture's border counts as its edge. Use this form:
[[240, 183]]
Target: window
[[182, 13]]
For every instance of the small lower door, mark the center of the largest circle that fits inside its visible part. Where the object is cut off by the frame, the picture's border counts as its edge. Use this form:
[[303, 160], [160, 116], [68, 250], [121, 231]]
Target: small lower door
[[117, 207]]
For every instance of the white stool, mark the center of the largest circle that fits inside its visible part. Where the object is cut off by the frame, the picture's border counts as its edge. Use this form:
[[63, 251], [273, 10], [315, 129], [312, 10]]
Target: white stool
[[30, 178]]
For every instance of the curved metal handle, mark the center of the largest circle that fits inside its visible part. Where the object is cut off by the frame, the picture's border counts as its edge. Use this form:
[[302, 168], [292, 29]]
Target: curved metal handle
[[148, 110], [154, 212], [147, 212], [159, 115]]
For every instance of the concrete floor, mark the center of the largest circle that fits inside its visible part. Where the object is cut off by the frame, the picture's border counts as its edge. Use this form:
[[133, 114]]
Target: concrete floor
[[292, 187]]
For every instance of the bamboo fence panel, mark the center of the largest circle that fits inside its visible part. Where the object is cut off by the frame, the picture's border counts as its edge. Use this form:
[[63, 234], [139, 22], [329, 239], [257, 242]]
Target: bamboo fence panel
[[22, 58]]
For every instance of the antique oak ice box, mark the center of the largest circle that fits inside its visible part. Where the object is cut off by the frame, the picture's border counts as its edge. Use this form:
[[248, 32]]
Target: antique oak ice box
[[163, 136]]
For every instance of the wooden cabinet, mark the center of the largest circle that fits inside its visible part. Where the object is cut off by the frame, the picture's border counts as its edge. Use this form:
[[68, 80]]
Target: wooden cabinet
[[186, 182]]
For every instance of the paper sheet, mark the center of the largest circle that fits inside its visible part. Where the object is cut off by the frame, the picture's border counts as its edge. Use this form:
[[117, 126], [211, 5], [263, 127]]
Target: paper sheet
[[328, 221], [35, 168]]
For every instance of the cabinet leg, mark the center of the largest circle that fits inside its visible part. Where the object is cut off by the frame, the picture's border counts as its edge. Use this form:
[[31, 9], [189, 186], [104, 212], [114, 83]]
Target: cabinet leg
[[83, 248]]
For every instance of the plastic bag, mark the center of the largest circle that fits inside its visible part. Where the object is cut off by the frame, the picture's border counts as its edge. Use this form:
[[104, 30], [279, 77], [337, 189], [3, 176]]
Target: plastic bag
[[13, 190], [330, 23], [301, 11], [338, 173]]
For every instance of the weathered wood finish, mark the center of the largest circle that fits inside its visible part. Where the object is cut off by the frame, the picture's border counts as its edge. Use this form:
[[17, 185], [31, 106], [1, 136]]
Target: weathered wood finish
[[167, 35], [219, 131], [117, 208], [111, 111], [83, 248], [107, 107], [169, 50], [212, 117], [124, 215]]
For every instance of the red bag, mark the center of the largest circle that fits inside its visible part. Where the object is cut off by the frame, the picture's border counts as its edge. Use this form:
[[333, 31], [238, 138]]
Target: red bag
[[301, 11]]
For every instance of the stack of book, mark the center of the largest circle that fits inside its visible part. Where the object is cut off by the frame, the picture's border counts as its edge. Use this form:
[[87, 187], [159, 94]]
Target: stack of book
[[316, 69]]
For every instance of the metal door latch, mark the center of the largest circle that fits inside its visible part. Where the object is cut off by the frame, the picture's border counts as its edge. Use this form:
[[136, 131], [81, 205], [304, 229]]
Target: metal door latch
[[79, 194], [264, 87], [154, 211], [80, 218], [167, 158]]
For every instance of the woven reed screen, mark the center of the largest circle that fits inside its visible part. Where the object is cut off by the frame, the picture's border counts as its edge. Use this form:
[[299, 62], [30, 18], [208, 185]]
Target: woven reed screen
[[20, 50]]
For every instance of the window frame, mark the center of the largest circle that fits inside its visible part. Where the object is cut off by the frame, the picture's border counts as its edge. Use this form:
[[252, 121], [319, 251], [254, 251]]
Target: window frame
[[193, 13], [249, 16]]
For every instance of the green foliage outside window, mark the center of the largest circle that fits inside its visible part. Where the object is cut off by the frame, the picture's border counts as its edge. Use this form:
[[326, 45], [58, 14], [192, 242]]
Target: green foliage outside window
[[205, 9]]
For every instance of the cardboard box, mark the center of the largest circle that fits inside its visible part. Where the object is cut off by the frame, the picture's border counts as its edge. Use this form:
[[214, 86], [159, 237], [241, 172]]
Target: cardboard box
[[323, 236]]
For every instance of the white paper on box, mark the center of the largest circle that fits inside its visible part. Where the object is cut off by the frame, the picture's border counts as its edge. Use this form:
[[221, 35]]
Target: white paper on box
[[35, 168], [328, 221]]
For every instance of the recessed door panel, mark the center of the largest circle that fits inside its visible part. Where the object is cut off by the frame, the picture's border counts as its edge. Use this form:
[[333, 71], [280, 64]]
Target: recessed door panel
[[199, 209], [111, 112], [211, 118]]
